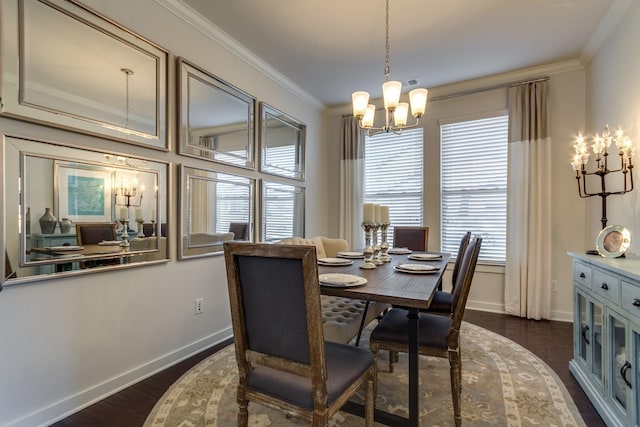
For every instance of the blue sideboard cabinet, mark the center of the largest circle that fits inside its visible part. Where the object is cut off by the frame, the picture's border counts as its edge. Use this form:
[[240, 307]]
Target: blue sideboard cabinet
[[606, 338], [49, 240]]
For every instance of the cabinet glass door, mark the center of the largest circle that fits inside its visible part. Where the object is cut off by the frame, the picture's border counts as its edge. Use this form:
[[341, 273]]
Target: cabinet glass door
[[583, 325], [596, 338], [636, 369], [620, 367]]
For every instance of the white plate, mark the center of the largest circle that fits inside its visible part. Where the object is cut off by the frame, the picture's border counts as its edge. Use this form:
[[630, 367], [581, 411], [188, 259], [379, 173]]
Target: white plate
[[425, 257], [416, 268], [399, 251], [354, 255], [340, 280], [65, 248], [334, 261], [110, 242]]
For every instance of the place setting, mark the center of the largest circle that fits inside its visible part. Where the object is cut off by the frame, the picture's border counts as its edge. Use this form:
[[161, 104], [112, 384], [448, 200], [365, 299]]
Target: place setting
[[335, 262], [425, 257], [399, 251], [416, 268], [340, 280], [350, 255]]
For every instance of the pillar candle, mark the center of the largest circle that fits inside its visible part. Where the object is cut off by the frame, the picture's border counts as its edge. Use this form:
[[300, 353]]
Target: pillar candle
[[384, 214], [124, 214], [368, 213], [138, 214], [377, 214]]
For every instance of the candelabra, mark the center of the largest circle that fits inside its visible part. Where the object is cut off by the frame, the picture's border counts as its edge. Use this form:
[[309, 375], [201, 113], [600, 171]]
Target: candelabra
[[384, 246], [140, 228], [376, 247], [600, 150], [128, 196], [368, 249]]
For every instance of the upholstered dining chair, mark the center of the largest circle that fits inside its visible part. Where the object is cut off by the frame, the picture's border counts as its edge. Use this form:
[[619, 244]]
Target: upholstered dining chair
[[411, 237], [283, 359], [94, 233], [240, 230], [442, 302], [439, 336]]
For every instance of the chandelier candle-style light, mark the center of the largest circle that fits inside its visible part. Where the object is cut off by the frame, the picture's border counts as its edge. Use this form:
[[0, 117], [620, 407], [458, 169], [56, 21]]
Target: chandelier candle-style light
[[600, 147], [395, 111]]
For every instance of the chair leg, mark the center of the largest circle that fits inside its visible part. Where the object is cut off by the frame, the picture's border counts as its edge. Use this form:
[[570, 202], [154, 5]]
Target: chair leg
[[243, 412], [373, 348], [455, 366], [394, 357], [370, 396], [320, 418]]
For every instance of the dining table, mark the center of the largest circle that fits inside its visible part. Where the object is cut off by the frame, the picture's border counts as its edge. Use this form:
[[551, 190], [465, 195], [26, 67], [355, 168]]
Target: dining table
[[395, 283]]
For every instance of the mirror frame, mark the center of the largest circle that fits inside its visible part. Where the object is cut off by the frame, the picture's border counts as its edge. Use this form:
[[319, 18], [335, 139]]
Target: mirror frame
[[108, 121], [268, 114], [295, 190], [100, 160], [187, 175], [188, 73]]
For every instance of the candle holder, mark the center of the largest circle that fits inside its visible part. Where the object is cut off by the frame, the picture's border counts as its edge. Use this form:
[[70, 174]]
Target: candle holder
[[384, 246], [125, 235], [140, 228], [376, 248], [153, 228], [368, 249]]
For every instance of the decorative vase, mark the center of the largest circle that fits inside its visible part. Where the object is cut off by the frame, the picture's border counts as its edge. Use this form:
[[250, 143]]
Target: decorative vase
[[48, 222], [65, 225]]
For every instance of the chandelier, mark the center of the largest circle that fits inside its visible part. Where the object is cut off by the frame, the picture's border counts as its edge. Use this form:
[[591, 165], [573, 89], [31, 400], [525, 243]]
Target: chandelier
[[395, 111]]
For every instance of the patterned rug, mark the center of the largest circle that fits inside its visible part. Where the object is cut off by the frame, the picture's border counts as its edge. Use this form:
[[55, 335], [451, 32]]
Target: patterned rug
[[503, 384]]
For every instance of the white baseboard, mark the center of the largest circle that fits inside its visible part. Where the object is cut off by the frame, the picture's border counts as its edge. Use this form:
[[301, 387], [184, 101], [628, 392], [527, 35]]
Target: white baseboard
[[74, 403]]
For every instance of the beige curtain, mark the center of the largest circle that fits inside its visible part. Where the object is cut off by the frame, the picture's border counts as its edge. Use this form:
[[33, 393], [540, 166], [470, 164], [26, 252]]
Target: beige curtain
[[528, 264], [351, 181]]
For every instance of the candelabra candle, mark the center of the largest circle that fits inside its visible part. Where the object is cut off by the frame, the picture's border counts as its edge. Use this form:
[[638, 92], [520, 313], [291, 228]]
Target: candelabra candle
[[368, 249], [376, 248], [384, 246], [600, 148]]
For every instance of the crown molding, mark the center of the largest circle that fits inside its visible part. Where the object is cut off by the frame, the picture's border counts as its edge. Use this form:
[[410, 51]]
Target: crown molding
[[215, 34], [604, 29]]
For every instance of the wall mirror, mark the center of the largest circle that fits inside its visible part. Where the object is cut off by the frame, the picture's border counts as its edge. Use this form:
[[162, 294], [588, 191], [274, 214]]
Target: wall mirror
[[75, 211], [282, 211], [282, 143], [66, 66], [215, 207], [216, 119]]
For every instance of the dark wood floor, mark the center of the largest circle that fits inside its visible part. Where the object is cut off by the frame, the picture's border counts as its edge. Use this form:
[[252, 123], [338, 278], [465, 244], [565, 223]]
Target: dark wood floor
[[551, 341]]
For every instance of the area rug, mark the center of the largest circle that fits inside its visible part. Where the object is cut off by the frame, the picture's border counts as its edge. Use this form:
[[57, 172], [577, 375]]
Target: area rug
[[503, 384]]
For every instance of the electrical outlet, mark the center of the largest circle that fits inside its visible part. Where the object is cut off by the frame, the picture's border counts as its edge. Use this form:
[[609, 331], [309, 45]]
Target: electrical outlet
[[554, 286], [199, 305]]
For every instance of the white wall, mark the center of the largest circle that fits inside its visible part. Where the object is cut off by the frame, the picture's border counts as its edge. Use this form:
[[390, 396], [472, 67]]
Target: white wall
[[67, 342], [567, 100], [613, 97]]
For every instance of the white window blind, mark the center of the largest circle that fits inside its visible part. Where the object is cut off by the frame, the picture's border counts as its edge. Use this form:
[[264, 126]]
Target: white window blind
[[394, 175], [474, 185], [233, 201], [282, 211]]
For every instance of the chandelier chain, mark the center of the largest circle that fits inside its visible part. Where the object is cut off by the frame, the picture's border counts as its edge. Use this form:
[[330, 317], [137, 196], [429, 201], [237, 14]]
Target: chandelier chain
[[386, 35], [127, 72]]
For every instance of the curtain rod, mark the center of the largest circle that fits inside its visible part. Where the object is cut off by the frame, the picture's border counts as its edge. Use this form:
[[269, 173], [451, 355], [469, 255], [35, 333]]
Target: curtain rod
[[487, 88]]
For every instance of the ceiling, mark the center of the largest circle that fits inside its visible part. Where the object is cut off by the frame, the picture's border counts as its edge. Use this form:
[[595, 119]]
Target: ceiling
[[331, 48]]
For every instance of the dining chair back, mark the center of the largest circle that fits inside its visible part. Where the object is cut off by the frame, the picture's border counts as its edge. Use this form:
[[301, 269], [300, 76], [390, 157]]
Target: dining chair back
[[442, 302], [439, 336], [240, 230], [283, 359], [411, 237], [94, 233]]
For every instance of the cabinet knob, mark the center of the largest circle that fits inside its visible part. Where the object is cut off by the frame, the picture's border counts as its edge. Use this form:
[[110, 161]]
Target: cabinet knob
[[604, 286], [582, 275], [636, 302]]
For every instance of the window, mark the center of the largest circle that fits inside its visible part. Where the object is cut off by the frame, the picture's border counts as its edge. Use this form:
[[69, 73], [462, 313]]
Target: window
[[282, 211], [394, 174], [473, 159]]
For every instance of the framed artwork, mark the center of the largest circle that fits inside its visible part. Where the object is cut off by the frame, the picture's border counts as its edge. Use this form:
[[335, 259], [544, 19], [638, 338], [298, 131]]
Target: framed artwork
[[113, 84], [84, 194]]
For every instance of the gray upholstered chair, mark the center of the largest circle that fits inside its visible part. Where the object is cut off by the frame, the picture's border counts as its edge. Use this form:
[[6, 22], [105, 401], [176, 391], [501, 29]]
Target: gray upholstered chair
[[240, 230], [411, 237], [283, 359], [94, 233], [439, 336], [442, 302]]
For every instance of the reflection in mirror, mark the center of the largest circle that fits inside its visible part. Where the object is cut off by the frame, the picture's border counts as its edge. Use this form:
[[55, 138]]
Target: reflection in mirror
[[282, 211], [68, 66], [216, 119], [76, 211], [282, 143], [215, 207]]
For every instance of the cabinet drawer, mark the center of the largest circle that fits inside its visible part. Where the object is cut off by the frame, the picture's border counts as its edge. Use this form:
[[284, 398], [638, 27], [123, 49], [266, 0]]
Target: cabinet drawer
[[631, 299], [606, 285], [582, 274]]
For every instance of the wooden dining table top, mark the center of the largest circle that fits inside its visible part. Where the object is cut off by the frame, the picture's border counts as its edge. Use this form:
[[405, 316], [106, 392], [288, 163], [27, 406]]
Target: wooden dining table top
[[388, 285]]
